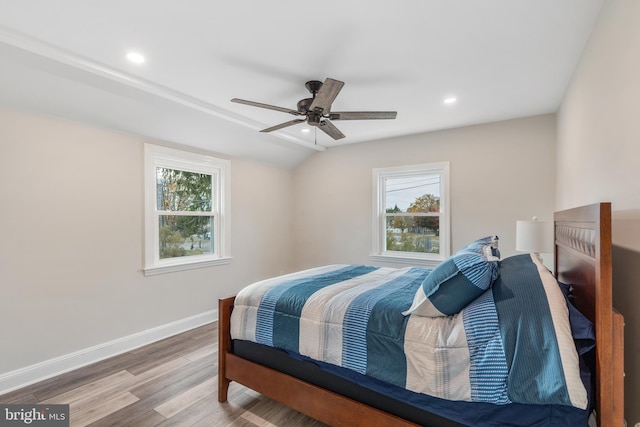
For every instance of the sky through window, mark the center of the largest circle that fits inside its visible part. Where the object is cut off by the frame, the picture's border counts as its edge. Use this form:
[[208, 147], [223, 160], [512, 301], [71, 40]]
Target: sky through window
[[404, 191]]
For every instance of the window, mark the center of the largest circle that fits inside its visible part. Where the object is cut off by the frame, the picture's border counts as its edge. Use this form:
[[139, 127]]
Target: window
[[187, 200], [411, 214]]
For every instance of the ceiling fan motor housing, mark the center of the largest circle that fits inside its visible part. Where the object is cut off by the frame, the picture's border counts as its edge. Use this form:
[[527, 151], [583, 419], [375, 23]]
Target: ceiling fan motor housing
[[313, 119]]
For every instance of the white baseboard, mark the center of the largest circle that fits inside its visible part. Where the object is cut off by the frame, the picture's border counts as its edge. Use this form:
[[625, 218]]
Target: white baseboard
[[49, 368]]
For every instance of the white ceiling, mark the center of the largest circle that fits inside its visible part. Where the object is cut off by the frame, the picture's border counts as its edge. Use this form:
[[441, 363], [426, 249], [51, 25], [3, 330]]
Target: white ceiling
[[501, 58]]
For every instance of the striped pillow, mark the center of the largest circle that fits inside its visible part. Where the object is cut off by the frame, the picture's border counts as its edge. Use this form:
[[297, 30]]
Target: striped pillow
[[457, 281]]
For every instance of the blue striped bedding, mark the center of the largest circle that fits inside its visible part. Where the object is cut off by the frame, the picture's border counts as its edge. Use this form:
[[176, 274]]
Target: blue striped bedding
[[508, 345]]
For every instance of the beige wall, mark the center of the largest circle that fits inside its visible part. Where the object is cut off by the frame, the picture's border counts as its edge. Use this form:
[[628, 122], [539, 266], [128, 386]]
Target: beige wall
[[71, 240], [500, 172], [598, 159]]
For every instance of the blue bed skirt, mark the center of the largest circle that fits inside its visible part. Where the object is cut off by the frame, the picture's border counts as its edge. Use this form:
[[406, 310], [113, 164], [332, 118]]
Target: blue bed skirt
[[415, 407]]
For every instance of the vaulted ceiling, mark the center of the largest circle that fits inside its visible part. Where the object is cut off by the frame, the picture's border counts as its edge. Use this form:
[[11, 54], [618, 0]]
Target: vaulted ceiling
[[500, 59]]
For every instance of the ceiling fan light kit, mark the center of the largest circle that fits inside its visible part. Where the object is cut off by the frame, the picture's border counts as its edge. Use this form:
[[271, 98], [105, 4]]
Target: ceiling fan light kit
[[317, 109]]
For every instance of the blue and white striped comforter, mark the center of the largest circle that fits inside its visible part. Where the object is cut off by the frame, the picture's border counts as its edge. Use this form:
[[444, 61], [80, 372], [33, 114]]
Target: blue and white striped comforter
[[351, 316]]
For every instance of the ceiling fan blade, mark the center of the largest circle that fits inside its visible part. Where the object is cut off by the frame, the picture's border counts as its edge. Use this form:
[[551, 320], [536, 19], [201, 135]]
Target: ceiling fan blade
[[267, 106], [327, 127], [326, 95], [283, 125], [363, 115]]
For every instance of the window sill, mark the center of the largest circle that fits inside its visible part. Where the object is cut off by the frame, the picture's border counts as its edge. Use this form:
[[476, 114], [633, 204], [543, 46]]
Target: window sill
[[398, 259], [162, 269]]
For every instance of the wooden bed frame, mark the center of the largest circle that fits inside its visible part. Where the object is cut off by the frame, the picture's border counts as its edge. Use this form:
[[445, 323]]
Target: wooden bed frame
[[582, 258]]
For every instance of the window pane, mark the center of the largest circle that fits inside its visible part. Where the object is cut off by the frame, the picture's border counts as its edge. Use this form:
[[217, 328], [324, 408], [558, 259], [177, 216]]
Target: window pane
[[413, 234], [185, 235], [183, 191], [413, 194]]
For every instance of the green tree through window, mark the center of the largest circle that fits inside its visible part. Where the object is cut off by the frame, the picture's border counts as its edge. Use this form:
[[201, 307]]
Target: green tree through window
[[414, 233], [183, 191]]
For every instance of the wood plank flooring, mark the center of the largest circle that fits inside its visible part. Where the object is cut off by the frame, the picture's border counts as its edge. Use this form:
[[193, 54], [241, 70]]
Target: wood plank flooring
[[172, 382]]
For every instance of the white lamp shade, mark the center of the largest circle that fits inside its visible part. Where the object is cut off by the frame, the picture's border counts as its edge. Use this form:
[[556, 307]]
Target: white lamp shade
[[534, 236]]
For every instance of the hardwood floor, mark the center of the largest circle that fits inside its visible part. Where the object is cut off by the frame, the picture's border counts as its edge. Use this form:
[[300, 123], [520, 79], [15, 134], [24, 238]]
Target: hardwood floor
[[172, 382]]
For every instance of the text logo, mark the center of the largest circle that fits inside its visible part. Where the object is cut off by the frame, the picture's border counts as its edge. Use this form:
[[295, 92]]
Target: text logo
[[34, 415]]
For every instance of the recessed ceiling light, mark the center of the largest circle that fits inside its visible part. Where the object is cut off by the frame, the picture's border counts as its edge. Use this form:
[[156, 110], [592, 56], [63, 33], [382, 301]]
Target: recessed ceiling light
[[135, 57], [450, 100]]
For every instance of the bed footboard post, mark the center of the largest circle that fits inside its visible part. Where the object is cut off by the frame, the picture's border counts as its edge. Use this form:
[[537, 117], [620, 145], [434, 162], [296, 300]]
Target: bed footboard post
[[224, 345], [618, 369]]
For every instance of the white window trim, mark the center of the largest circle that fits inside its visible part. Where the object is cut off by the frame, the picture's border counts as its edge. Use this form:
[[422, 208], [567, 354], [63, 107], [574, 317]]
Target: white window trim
[[379, 254], [159, 156]]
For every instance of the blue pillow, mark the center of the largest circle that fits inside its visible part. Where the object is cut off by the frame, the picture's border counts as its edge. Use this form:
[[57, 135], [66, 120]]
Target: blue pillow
[[458, 280]]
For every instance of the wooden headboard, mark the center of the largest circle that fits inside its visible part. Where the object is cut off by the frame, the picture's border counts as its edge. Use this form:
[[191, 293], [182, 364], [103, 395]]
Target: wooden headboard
[[583, 259]]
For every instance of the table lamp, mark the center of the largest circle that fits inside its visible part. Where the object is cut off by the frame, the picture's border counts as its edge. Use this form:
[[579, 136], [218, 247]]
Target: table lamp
[[534, 236]]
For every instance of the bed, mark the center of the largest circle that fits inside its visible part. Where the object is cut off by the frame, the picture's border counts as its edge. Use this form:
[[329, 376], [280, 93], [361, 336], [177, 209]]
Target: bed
[[338, 396]]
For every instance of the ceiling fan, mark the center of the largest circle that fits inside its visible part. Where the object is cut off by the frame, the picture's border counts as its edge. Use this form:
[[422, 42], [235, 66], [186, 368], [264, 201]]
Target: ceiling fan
[[317, 109]]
